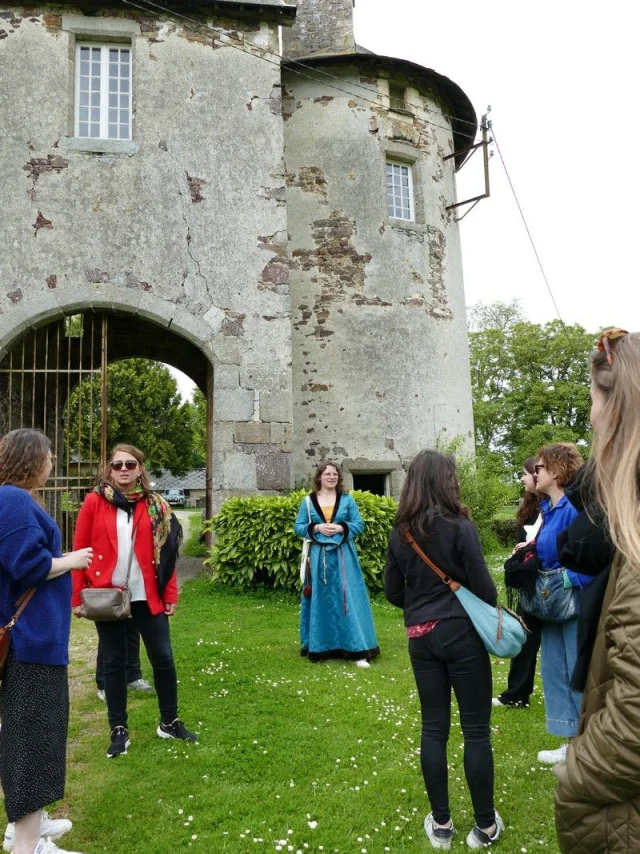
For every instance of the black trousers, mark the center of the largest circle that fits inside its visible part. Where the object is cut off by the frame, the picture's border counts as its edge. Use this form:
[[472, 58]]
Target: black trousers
[[522, 672], [155, 636], [453, 656], [134, 671]]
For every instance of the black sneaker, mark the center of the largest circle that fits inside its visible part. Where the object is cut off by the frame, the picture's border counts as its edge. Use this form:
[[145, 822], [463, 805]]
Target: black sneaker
[[119, 742], [479, 839], [176, 729]]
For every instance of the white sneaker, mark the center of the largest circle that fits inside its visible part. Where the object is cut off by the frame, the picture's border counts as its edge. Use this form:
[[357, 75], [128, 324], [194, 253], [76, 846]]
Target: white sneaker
[[53, 827], [552, 757], [101, 695], [439, 837], [140, 685], [362, 662], [496, 701], [48, 846], [480, 839]]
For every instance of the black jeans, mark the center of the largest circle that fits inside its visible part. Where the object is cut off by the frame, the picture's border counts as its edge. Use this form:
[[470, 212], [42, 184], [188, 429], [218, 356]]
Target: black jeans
[[133, 657], [155, 635], [522, 672], [453, 656]]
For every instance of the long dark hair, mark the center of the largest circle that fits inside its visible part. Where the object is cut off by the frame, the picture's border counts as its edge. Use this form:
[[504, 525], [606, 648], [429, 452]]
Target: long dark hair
[[531, 502], [431, 489]]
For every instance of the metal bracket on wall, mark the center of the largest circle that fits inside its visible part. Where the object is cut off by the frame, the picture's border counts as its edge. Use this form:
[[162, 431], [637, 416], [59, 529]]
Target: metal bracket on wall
[[485, 126]]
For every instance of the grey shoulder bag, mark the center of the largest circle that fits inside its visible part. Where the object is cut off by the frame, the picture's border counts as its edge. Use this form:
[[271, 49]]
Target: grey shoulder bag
[[108, 604]]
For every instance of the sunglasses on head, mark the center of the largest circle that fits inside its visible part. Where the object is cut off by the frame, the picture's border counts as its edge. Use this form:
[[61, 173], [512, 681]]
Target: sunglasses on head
[[607, 339], [116, 465]]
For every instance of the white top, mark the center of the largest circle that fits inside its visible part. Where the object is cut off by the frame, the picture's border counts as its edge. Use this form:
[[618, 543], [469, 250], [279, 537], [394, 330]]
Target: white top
[[124, 528]]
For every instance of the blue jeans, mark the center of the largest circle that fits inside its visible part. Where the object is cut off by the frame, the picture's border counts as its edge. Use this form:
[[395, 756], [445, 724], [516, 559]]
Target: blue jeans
[[453, 656], [559, 656]]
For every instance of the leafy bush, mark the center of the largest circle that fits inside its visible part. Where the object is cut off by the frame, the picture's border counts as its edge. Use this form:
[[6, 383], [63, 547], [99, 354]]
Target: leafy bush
[[255, 544], [506, 531]]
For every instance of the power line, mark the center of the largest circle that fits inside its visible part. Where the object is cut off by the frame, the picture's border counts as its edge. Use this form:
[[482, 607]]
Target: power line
[[258, 53], [529, 235]]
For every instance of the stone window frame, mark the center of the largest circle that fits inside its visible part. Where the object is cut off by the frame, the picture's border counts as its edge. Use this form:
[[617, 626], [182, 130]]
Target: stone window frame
[[406, 154], [401, 164], [101, 32], [389, 468]]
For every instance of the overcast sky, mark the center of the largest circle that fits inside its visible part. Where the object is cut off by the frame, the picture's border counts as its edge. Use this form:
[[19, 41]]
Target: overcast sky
[[562, 79]]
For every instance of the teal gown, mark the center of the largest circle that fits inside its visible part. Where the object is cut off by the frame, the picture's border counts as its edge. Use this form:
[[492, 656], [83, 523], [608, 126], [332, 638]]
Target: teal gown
[[336, 620]]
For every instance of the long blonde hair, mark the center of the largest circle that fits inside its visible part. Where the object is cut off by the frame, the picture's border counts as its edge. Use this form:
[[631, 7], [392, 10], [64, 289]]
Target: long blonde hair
[[615, 460]]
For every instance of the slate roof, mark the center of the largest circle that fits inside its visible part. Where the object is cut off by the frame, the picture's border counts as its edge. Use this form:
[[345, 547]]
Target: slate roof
[[194, 479]]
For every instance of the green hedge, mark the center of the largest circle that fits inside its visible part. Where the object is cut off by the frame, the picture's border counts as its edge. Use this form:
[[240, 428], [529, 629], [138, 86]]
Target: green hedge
[[255, 544]]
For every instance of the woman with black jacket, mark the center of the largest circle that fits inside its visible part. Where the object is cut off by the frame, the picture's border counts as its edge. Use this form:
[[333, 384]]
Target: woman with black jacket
[[445, 650], [522, 671]]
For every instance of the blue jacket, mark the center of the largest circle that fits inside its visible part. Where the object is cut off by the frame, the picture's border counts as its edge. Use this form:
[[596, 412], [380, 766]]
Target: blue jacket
[[555, 520], [29, 539]]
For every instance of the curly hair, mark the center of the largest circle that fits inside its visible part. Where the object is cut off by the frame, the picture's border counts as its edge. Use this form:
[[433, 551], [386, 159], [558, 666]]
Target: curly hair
[[322, 467], [562, 459], [531, 500], [138, 455], [23, 456]]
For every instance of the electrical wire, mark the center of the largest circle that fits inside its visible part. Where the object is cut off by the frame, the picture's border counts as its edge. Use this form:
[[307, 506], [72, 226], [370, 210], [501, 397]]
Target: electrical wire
[[528, 230], [259, 54]]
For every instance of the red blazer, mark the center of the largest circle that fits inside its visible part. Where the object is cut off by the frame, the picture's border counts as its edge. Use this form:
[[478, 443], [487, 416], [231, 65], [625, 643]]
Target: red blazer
[[96, 527]]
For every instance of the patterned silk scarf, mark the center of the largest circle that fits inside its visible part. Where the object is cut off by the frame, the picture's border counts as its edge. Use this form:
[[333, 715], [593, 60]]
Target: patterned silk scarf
[[157, 508]]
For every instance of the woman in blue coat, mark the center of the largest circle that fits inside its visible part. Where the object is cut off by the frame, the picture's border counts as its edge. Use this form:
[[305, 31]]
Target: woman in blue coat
[[335, 617]]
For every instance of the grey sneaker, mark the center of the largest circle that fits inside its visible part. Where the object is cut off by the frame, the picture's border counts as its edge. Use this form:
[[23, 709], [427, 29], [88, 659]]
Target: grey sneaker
[[140, 685], [478, 838], [439, 837], [101, 695]]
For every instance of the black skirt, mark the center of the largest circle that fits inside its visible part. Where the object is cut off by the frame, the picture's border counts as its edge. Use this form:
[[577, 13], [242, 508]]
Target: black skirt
[[34, 708]]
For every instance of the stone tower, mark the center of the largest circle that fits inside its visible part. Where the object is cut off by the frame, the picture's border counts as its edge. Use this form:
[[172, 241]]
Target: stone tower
[[380, 349], [322, 28]]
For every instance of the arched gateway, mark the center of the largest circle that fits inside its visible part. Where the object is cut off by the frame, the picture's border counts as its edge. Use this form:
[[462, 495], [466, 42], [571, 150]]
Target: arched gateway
[[286, 242]]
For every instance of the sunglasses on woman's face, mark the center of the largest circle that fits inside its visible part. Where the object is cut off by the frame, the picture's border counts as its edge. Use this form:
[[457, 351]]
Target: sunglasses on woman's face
[[130, 465], [538, 467]]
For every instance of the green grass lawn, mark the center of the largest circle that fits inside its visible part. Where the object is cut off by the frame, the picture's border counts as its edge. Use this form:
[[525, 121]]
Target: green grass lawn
[[293, 757]]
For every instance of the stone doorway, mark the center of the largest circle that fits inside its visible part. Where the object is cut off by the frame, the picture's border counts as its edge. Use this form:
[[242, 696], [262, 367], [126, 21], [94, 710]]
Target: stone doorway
[[46, 364]]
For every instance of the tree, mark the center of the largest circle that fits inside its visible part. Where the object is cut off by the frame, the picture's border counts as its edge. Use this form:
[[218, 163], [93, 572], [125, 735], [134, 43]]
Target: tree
[[144, 409], [530, 382], [198, 413]]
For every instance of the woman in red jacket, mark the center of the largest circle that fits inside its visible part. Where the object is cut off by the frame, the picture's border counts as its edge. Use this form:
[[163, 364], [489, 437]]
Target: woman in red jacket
[[122, 514]]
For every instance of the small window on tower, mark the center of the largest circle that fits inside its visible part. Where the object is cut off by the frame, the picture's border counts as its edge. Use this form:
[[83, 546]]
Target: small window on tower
[[400, 191], [396, 98], [376, 484]]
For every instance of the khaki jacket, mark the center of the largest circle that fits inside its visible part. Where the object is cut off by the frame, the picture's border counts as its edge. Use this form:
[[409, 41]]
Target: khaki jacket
[[598, 796]]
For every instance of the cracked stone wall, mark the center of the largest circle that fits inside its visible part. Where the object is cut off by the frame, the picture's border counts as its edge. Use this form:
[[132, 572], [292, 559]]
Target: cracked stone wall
[[380, 350], [184, 227]]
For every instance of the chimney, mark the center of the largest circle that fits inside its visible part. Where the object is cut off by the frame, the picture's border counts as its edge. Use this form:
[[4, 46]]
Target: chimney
[[322, 28]]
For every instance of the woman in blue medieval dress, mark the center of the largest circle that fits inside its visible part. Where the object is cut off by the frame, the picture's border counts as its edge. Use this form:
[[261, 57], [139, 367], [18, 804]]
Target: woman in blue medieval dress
[[335, 617]]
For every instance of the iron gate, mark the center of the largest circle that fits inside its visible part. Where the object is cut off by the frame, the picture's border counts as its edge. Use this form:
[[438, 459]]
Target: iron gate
[[39, 388]]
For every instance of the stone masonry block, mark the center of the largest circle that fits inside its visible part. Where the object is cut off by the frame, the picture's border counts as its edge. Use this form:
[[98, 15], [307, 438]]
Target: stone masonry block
[[274, 471], [239, 471], [226, 376], [253, 432], [265, 376], [233, 404], [282, 434], [275, 406]]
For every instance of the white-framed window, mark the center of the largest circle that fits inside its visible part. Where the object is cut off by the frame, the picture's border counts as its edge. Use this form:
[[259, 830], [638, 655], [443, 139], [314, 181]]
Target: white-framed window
[[400, 190], [103, 91]]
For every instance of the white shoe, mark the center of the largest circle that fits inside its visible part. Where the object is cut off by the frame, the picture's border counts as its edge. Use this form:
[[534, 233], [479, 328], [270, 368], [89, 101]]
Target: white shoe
[[439, 837], [552, 757], [101, 695], [48, 846], [480, 839], [362, 662], [52, 827], [496, 701], [140, 685]]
